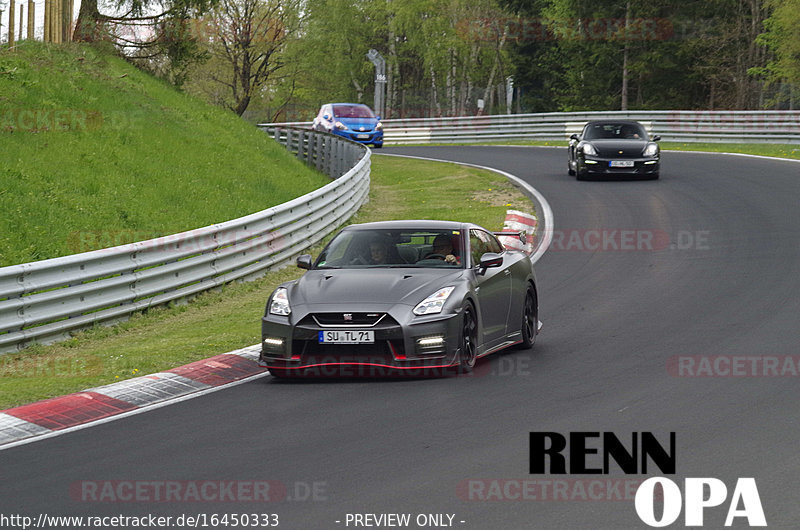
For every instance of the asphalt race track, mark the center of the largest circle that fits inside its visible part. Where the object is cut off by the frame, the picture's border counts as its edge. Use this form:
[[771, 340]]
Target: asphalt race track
[[700, 266]]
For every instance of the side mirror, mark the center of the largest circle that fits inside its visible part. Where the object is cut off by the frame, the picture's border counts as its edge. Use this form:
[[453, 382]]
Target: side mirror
[[378, 118], [490, 260], [656, 138], [304, 261], [326, 117], [574, 136]]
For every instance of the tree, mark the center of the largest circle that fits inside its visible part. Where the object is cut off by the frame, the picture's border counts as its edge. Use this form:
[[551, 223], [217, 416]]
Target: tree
[[611, 54], [163, 42], [249, 37], [782, 36]]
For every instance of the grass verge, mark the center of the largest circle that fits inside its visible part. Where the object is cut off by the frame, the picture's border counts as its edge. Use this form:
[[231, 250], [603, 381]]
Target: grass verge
[[228, 319], [791, 151], [97, 153]]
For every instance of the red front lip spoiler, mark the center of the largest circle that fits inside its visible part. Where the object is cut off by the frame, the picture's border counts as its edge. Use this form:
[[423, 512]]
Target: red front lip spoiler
[[375, 365], [389, 366]]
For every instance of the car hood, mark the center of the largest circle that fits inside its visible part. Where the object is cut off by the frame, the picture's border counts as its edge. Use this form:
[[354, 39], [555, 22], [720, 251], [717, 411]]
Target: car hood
[[390, 286], [356, 123], [612, 148]]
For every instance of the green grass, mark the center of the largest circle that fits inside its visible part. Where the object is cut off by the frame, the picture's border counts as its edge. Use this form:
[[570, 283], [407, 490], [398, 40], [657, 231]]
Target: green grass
[[776, 150], [228, 319], [98, 153]]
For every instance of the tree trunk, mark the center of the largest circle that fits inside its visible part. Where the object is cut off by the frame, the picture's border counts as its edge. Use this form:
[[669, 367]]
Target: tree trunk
[[88, 28], [488, 94], [66, 21], [435, 92], [392, 74], [359, 90], [242, 105], [11, 14], [31, 19], [624, 105]]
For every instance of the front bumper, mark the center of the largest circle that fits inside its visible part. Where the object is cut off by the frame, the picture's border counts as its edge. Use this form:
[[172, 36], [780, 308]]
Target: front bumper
[[293, 348], [596, 165]]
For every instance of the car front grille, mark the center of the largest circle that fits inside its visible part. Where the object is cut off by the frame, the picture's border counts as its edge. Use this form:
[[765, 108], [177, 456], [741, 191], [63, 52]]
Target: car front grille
[[326, 320]]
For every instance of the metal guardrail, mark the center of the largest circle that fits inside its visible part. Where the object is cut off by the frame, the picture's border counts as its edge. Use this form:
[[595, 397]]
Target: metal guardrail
[[673, 126], [44, 300]]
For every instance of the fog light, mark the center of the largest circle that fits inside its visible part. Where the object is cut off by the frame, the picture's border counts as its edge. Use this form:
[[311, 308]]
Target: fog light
[[431, 342], [650, 162], [269, 341], [590, 161]]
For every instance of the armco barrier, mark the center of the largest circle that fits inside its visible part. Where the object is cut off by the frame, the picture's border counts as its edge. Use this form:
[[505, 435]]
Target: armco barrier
[[44, 300], [673, 126]]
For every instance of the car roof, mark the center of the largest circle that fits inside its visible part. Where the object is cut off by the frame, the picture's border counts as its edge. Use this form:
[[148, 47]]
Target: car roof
[[599, 122], [349, 104], [412, 224]]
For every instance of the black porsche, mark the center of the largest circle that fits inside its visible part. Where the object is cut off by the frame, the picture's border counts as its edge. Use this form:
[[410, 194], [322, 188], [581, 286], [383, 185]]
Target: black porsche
[[401, 297], [614, 147]]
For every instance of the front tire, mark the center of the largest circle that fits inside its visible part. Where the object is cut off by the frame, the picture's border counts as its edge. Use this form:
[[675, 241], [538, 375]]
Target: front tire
[[468, 353], [530, 319]]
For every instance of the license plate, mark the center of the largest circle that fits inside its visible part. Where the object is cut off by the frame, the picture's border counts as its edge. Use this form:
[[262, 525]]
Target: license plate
[[350, 336], [362, 136], [621, 163]]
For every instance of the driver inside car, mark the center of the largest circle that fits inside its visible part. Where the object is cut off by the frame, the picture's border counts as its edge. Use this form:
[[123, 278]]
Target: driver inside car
[[442, 249]]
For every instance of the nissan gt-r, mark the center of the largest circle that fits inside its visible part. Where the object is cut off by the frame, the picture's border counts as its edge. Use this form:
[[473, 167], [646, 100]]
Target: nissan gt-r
[[401, 297]]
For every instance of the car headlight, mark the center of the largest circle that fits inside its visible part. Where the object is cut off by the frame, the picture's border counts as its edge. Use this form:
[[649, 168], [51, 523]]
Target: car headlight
[[379, 126], [280, 302], [434, 303], [651, 150], [340, 125], [588, 149]]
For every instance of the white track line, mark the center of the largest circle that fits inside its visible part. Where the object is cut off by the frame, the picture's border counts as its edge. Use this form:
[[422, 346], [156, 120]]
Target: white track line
[[764, 157], [131, 412]]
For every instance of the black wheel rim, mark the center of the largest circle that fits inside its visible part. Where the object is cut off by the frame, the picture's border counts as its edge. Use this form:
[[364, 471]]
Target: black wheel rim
[[530, 316], [468, 341]]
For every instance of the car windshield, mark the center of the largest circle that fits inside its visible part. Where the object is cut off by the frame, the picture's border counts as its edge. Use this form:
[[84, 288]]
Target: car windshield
[[615, 131], [374, 248], [352, 111]]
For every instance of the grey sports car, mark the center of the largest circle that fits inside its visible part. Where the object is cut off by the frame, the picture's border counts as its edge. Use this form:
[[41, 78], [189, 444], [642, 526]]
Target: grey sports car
[[401, 297]]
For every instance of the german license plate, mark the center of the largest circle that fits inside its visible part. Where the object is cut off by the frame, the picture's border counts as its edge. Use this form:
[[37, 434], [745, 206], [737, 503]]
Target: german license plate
[[362, 136], [349, 336], [621, 163]]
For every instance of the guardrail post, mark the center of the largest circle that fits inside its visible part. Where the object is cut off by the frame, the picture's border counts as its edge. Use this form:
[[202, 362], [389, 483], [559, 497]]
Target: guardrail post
[[318, 158]]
